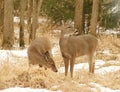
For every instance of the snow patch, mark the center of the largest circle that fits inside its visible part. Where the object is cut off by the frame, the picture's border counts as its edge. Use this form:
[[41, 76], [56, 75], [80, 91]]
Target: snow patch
[[107, 69], [10, 55], [18, 89], [99, 87]]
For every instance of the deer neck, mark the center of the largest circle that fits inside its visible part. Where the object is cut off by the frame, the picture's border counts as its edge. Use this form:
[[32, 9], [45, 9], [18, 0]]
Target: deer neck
[[63, 34]]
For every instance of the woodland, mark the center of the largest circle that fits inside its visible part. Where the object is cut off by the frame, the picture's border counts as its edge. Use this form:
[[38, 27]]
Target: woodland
[[22, 21]]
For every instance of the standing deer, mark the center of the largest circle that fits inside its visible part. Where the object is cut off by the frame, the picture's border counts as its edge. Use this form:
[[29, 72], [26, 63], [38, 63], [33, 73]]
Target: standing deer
[[75, 46], [39, 52]]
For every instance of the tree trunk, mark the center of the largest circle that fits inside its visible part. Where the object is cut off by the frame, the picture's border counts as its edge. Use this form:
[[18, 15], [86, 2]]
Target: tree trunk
[[30, 19], [1, 21], [94, 17], [1, 13], [34, 7], [34, 19], [79, 19], [8, 33], [87, 9], [39, 7], [22, 9]]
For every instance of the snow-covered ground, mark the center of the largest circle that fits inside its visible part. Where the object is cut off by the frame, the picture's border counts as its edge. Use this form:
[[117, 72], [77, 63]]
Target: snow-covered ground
[[18, 89], [101, 88], [99, 69], [11, 54]]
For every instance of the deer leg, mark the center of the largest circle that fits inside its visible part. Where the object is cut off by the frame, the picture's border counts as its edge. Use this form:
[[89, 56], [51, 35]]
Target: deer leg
[[66, 62], [91, 64], [72, 66]]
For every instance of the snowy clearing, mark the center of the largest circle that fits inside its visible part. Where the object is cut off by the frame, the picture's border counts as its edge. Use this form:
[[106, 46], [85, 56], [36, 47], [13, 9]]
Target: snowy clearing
[[6, 54]]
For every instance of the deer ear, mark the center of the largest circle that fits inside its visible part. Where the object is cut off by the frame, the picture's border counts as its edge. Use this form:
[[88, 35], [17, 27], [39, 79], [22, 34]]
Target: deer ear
[[46, 56]]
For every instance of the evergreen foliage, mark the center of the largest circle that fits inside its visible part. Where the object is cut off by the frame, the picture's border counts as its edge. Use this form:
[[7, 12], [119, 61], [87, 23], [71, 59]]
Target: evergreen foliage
[[110, 13], [59, 10]]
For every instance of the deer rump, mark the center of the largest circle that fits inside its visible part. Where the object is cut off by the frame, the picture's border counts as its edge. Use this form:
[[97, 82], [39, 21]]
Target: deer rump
[[75, 46], [39, 52]]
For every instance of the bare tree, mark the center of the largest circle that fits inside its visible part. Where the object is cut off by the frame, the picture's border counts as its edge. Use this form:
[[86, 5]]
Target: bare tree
[[79, 19], [1, 20], [94, 17], [1, 12], [39, 6], [34, 19], [34, 7], [22, 11], [8, 25], [30, 19]]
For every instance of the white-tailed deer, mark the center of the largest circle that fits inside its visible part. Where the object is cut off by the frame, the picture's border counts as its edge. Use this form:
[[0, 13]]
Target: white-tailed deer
[[75, 46], [39, 52]]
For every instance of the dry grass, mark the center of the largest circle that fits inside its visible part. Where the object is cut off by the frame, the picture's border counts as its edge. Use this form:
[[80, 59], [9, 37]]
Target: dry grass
[[12, 75], [106, 43]]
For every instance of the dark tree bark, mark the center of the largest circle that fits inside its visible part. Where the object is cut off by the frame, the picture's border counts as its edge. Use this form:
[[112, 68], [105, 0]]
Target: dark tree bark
[[94, 17], [34, 19], [1, 13], [30, 19], [22, 12], [34, 7], [39, 7], [79, 19], [8, 33], [1, 21]]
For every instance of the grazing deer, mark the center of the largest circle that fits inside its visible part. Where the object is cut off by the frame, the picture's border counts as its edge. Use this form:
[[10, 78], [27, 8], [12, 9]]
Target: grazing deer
[[39, 52], [75, 46]]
